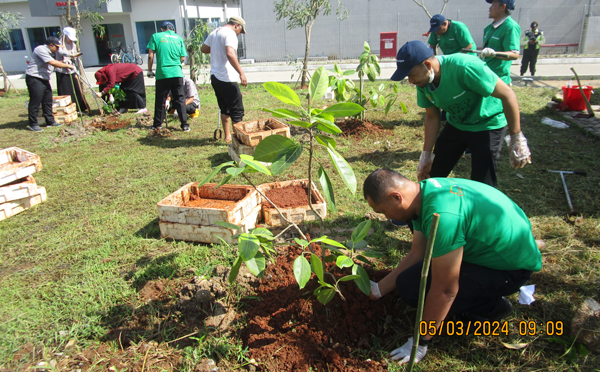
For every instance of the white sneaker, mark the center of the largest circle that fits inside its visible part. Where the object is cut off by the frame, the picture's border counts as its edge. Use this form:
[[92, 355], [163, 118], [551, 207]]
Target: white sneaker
[[122, 111], [142, 111]]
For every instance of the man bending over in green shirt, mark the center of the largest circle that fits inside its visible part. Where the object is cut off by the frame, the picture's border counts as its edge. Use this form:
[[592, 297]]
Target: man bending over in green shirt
[[484, 250], [479, 106]]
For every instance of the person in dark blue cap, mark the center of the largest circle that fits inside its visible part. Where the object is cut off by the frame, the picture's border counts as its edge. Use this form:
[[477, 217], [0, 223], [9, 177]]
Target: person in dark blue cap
[[451, 36], [480, 108], [170, 54], [502, 35]]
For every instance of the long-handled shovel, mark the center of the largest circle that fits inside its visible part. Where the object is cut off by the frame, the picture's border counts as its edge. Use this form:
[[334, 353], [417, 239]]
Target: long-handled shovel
[[423, 286], [478, 52], [588, 106]]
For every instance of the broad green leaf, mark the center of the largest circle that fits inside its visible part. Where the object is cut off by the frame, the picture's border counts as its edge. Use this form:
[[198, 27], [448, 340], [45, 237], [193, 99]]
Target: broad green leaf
[[381, 100], [299, 123], [316, 111], [318, 83], [284, 113], [367, 47], [228, 225], [235, 269], [249, 160], [325, 116], [326, 295], [373, 100], [377, 68], [360, 232], [381, 87], [248, 245], [341, 87], [373, 254], [224, 181], [215, 171], [327, 126], [327, 189], [319, 239], [349, 72], [359, 245], [336, 68], [329, 258], [347, 278], [257, 264], [403, 106], [344, 261], [363, 55], [261, 232], [363, 259], [268, 148], [301, 242], [364, 284], [342, 109], [301, 271], [343, 169], [233, 171], [389, 105], [324, 140], [333, 243], [317, 267], [285, 158], [395, 87], [371, 73], [283, 93]]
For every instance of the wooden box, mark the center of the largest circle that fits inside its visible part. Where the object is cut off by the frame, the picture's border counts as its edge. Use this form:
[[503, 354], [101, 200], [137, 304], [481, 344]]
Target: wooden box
[[250, 133], [207, 234], [66, 118], [241, 148], [233, 153], [61, 101], [20, 189], [17, 206], [297, 214], [228, 203], [16, 163], [64, 110]]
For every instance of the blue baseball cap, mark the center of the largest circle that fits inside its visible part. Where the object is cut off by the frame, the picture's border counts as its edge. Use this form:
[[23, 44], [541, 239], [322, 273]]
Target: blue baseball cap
[[510, 4], [436, 21], [168, 25], [410, 55]]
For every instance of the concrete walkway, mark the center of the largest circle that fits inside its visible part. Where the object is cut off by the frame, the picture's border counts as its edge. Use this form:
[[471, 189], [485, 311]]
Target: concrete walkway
[[547, 69]]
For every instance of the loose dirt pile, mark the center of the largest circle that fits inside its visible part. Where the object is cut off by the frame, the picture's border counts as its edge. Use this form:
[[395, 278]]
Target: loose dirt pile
[[288, 197], [109, 123], [355, 127], [289, 330]]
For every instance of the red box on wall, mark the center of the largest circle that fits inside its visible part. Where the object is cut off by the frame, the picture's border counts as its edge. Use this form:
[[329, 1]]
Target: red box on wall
[[387, 44]]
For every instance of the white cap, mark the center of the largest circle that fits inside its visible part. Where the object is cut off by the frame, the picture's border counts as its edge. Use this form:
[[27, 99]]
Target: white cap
[[70, 33]]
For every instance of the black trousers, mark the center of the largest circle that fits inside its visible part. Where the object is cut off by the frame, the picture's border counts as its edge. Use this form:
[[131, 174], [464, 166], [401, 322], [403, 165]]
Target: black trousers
[[529, 58], [485, 151], [175, 87], [39, 92], [480, 288], [135, 90], [229, 98], [69, 85]]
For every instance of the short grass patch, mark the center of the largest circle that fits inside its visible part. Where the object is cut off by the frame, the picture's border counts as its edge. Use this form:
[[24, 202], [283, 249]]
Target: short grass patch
[[68, 264]]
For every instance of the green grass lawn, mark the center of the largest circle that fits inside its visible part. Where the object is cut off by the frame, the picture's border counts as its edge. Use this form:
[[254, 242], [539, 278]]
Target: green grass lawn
[[67, 263]]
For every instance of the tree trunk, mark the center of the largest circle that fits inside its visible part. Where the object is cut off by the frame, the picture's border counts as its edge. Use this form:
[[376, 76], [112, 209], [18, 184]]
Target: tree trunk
[[307, 30], [68, 18], [192, 64]]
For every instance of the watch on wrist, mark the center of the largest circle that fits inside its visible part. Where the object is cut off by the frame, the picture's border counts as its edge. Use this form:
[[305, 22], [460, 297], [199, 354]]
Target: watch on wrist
[[424, 342]]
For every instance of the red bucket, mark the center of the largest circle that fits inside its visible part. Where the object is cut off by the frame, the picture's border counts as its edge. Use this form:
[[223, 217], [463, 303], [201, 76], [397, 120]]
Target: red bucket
[[573, 99]]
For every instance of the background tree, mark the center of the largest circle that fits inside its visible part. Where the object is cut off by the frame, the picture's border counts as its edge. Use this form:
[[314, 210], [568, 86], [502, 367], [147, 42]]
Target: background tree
[[193, 43], [8, 21], [422, 5], [303, 13]]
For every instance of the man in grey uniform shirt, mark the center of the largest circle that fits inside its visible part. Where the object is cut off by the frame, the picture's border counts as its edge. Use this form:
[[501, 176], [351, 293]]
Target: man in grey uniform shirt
[[37, 78], [192, 101]]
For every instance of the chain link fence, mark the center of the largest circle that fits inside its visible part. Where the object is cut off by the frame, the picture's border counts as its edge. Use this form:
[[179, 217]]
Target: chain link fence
[[568, 31]]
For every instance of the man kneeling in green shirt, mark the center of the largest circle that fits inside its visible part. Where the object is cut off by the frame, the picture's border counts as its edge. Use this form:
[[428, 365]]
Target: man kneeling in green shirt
[[484, 249], [478, 104]]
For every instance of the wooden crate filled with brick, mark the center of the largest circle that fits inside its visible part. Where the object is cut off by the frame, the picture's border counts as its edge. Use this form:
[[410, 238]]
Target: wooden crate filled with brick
[[247, 135], [63, 110]]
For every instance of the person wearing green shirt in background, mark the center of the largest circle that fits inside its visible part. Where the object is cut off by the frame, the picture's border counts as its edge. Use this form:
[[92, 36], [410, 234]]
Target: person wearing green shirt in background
[[502, 35], [170, 52], [451, 36], [479, 106], [484, 250]]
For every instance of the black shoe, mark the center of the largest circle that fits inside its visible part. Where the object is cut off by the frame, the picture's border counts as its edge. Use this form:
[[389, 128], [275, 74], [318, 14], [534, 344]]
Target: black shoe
[[503, 310], [53, 125], [34, 128], [159, 128], [185, 128]]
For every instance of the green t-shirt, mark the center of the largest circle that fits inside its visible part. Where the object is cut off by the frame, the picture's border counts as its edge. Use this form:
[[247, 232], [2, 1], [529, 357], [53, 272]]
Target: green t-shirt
[[169, 48], [464, 93], [493, 230], [504, 38], [454, 40]]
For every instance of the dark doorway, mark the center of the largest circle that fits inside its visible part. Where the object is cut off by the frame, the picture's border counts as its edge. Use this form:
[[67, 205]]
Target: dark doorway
[[112, 36]]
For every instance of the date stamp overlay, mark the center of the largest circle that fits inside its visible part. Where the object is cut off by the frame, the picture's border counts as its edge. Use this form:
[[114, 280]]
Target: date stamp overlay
[[490, 328]]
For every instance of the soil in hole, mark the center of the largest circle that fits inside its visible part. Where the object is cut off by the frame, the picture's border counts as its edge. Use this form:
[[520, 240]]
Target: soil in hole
[[209, 197], [355, 127], [288, 197], [110, 123], [289, 330]]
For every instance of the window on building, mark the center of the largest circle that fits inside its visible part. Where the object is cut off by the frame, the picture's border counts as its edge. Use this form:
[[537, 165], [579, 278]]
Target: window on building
[[145, 30], [15, 40], [38, 35]]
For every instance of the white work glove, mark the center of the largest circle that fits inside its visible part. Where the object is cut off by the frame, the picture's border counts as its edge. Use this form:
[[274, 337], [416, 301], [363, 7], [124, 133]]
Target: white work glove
[[375, 294], [424, 167], [111, 99], [404, 351], [519, 153], [488, 52]]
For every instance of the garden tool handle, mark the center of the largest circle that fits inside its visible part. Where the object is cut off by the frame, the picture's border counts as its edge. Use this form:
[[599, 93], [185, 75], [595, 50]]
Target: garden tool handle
[[478, 52]]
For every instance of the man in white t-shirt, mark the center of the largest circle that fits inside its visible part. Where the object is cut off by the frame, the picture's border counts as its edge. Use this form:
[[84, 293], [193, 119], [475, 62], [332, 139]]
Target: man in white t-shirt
[[226, 72]]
